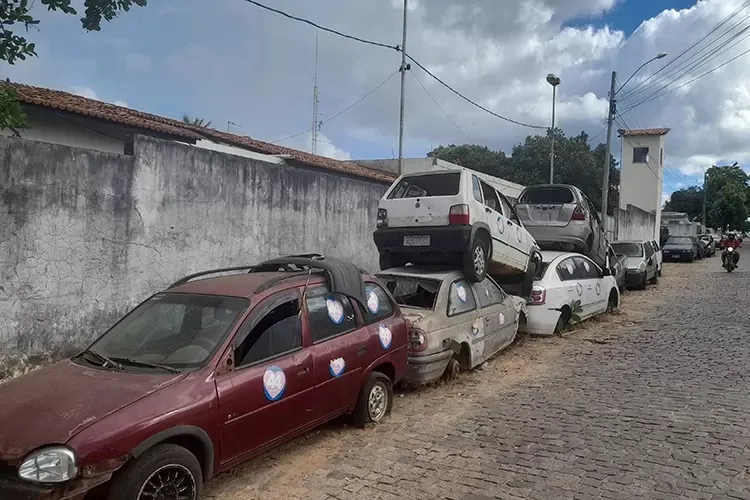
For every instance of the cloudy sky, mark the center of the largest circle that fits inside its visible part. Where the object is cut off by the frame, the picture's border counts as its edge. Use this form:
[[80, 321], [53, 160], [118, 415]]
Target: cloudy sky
[[227, 60]]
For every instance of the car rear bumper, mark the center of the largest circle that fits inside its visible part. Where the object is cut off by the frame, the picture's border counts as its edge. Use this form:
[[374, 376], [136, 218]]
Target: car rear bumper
[[14, 489], [572, 234], [442, 239], [425, 369], [635, 279], [677, 256], [540, 320]]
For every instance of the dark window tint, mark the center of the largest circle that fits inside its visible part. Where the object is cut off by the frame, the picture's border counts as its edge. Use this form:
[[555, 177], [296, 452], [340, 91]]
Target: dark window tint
[[649, 249], [417, 293], [276, 331], [586, 268], [378, 304], [508, 210], [629, 249], [330, 314], [541, 271], [476, 188], [488, 293], [460, 298], [490, 197], [423, 186], [679, 240], [547, 195], [640, 155], [568, 270]]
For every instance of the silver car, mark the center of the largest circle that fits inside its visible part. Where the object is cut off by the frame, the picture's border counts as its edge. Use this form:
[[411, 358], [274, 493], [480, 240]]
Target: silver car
[[561, 217], [642, 268], [454, 324]]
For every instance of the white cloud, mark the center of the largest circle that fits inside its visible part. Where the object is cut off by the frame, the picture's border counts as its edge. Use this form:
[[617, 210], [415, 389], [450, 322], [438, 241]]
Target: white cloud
[[324, 148]]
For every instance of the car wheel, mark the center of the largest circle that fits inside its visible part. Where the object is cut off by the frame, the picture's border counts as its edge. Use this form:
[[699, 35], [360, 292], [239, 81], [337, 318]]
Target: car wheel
[[563, 320], [375, 400], [475, 260], [528, 278], [164, 471], [452, 370], [612, 302], [655, 279], [659, 272], [644, 284]]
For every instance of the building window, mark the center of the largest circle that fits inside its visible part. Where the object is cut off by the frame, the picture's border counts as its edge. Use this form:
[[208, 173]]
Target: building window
[[640, 155]]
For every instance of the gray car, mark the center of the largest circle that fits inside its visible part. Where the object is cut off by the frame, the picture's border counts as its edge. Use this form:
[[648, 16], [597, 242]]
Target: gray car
[[642, 268], [454, 324], [561, 217]]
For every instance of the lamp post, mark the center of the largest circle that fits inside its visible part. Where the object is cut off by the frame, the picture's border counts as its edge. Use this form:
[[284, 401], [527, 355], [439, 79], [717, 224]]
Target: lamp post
[[554, 81], [610, 120]]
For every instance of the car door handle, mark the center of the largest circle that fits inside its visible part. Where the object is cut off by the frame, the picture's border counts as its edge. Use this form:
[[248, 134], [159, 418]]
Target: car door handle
[[303, 371], [488, 210], [362, 350], [510, 223]]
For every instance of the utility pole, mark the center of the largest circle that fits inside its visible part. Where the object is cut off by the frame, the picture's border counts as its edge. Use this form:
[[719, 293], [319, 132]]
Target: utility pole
[[705, 177], [314, 148], [610, 120], [403, 95]]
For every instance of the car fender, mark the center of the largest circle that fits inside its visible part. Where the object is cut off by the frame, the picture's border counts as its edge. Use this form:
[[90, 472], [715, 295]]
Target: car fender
[[481, 225], [189, 431]]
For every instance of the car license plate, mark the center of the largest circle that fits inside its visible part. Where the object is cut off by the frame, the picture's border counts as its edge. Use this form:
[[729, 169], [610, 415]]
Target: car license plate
[[416, 241]]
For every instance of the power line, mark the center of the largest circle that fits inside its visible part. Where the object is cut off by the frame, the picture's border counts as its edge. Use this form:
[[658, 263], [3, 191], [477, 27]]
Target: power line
[[398, 49], [322, 122], [440, 107], [685, 51]]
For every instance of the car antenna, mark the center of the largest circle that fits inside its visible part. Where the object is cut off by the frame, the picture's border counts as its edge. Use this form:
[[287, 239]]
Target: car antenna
[[307, 282]]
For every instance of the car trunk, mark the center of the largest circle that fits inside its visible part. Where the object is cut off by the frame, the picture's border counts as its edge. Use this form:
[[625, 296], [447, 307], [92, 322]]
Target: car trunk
[[423, 200], [551, 206]]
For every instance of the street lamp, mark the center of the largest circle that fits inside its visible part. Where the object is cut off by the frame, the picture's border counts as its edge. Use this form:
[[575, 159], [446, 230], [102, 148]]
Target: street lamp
[[554, 81], [610, 120]]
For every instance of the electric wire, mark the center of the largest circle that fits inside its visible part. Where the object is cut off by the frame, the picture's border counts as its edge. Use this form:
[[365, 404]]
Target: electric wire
[[440, 107]]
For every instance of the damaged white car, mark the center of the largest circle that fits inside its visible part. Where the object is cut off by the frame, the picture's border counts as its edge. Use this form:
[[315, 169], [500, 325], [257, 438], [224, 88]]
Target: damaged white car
[[454, 324]]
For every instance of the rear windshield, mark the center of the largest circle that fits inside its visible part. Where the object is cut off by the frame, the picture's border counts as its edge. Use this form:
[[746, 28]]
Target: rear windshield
[[554, 195], [629, 249], [541, 270], [424, 186], [679, 240], [418, 293]]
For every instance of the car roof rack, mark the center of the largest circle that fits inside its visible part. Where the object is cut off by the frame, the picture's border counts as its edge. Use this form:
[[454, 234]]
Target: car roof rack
[[190, 277]]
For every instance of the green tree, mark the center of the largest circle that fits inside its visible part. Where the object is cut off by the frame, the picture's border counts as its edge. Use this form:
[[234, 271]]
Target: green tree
[[687, 200], [198, 122], [727, 195], [479, 158], [16, 16]]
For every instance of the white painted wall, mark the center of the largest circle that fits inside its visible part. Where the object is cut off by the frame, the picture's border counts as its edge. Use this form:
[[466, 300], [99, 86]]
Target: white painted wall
[[641, 184]]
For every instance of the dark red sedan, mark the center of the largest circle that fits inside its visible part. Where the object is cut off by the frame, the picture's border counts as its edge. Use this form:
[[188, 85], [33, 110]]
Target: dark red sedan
[[201, 377]]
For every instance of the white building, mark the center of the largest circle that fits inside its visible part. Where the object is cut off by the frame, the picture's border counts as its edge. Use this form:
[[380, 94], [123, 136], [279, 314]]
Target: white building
[[642, 170]]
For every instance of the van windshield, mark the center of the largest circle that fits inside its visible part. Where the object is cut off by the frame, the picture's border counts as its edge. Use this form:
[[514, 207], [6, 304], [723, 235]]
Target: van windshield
[[629, 249], [547, 195], [417, 293], [424, 186]]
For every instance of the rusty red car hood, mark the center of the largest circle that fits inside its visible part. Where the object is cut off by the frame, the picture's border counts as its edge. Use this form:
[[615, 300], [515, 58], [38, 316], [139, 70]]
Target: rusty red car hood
[[51, 405]]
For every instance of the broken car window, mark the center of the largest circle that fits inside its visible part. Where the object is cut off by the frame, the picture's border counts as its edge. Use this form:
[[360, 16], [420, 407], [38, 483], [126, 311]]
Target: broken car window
[[418, 293]]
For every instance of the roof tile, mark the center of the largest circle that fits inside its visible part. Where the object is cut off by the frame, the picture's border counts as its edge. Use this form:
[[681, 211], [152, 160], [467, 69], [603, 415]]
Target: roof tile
[[644, 131]]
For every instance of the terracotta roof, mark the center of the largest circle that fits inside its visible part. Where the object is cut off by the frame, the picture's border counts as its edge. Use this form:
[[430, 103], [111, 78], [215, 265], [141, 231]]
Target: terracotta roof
[[644, 131], [73, 103]]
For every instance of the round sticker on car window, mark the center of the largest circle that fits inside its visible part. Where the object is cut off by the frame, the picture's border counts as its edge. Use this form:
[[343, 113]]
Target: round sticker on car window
[[335, 310], [461, 292], [586, 266], [385, 336], [274, 383], [373, 302], [570, 267]]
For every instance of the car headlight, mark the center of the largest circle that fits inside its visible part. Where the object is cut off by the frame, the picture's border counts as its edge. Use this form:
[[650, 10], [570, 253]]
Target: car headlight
[[49, 465], [642, 266]]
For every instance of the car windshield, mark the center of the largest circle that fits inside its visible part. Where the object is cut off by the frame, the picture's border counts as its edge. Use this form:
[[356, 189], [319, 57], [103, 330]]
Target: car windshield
[[679, 241], [176, 330], [418, 293], [544, 195], [629, 249], [424, 186]]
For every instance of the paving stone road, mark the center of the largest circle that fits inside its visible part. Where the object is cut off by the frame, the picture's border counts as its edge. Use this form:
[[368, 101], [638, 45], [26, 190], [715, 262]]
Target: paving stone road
[[653, 402]]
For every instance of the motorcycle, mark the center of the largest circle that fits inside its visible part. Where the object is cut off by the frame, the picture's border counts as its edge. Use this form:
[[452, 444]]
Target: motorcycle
[[729, 261]]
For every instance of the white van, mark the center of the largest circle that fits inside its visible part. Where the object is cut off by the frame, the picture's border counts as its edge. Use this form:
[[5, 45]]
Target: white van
[[454, 217]]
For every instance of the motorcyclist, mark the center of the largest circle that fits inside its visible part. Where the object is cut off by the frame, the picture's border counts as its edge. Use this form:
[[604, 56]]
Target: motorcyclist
[[733, 242]]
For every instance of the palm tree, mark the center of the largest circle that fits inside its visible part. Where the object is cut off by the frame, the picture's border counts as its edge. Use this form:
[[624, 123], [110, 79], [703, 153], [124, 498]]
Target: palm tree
[[198, 122]]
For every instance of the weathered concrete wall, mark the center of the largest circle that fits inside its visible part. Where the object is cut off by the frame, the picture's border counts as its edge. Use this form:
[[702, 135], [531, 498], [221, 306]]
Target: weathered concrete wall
[[636, 224], [86, 235]]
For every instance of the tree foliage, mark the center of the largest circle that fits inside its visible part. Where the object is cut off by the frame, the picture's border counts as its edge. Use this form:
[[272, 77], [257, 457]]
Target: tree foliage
[[197, 122], [575, 163], [16, 21], [688, 200]]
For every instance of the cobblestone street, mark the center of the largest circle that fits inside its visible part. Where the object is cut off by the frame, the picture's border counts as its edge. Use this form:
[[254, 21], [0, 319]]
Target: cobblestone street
[[652, 402]]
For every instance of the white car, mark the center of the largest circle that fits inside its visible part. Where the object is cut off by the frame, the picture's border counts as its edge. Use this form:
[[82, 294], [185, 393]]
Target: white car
[[455, 217], [568, 288]]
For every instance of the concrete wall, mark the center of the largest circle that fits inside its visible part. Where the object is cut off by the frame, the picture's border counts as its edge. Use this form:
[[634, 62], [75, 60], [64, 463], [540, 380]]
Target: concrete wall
[[636, 224], [641, 184], [85, 235]]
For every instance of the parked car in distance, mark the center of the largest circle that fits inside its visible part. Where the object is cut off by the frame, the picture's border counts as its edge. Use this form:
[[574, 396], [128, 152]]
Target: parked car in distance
[[561, 217], [680, 248], [709, 244], [658, 257], [202, 376], [699, 246], [641, 265], [454, 217], [454, 324], [569, 288], [618, 265]]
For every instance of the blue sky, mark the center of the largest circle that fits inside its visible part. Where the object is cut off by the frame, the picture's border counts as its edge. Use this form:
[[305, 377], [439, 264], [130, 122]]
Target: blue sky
[[227, 60]]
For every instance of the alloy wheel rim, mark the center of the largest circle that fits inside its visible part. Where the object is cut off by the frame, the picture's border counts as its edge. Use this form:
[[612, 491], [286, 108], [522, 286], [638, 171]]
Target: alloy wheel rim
[[170, 482], [377, 402], [479, 260]]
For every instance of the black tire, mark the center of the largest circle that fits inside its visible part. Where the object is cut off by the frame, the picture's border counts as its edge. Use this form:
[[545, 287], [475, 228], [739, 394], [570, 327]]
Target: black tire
[[528, 278], [452, 370], [363, 415], [655, 279], [562, 321], [166, 459], [478, 250], [612, 304], [644, 284]]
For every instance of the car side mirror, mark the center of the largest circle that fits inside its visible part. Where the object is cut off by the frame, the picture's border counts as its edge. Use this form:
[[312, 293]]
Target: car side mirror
[[606, 272], [650, 261]]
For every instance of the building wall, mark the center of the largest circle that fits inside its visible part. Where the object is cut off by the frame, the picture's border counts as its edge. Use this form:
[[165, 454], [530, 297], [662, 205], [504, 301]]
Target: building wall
[[86, 235], [636, 224], [641, 184]]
